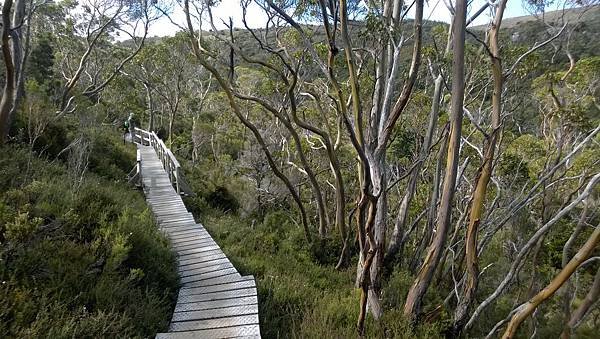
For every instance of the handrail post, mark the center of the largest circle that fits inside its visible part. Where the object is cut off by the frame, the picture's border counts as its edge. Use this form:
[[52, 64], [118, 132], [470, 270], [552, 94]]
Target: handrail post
[[139, 166], [169, 171], [165, 155], [177, 180]]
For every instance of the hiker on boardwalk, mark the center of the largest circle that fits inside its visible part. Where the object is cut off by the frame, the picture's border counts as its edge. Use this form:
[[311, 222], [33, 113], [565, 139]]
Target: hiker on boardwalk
[[128, 128], [131, 124]]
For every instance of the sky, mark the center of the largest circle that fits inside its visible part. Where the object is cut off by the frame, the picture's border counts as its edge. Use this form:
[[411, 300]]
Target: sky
[[434, 10]]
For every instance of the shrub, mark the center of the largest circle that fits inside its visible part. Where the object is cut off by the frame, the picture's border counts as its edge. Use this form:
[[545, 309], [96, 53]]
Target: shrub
[[110, 157], [79, 263], [22, 227], [299, 296], [221, 199]]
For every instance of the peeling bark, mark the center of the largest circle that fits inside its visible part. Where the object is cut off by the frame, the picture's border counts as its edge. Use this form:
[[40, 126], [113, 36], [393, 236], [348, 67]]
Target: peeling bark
[[586, 305], [482, 180], [414, 299], [230, 96], [525, 310], [6, 103], [524, 251]]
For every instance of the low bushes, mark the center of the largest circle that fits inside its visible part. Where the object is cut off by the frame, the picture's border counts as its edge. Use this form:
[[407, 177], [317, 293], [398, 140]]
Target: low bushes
[[80, 260], [301, 295]]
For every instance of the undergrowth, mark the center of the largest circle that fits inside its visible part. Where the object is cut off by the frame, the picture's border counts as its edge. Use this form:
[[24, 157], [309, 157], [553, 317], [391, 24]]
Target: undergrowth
[[298, 297], [80, 254]]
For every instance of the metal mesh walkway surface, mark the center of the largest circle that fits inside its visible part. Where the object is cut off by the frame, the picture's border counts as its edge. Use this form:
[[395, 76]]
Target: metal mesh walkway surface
[[214, 300]]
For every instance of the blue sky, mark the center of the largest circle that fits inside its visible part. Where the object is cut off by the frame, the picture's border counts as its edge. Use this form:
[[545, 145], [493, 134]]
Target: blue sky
[[435, 10]]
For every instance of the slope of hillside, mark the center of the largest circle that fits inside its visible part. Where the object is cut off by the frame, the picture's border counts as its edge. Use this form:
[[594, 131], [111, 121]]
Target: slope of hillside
[[572, 15]]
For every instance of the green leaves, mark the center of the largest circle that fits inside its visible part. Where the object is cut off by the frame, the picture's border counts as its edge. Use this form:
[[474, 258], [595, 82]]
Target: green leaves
[[528, 150], [85, 263], [569, 97], [22, 228]]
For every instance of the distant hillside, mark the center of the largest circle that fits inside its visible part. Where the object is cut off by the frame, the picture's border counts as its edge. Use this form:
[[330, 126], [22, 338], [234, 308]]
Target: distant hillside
[[573, 15], [530, 29], [525, 30]]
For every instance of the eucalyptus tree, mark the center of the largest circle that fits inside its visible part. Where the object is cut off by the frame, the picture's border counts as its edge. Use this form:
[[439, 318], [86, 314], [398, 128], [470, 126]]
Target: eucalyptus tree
[[143, 70], [292, 95], [166, 71], [90, 34], [484, 173], [283, 105], [16, 41], [369, 127], [369, 140], [203, 53], [21, 36], [566, 137], [309, 97], [6, 102], [414, 299]]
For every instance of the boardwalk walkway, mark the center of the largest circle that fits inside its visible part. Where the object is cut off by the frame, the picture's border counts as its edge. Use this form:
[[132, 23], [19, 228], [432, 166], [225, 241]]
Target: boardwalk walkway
[[214, 300]]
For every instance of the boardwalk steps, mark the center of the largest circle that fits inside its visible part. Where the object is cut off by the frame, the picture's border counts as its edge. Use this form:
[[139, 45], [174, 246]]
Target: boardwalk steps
[[214, 300]]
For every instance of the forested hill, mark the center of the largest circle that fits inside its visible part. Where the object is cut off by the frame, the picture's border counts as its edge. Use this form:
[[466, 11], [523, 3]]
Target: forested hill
[[526, 30], [386, 178], [586, 15], [530, 29]]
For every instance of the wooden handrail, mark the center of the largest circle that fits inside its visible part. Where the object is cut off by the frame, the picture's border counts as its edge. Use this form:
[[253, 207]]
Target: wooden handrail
[[135, 175], [166, 157], [139, 162]]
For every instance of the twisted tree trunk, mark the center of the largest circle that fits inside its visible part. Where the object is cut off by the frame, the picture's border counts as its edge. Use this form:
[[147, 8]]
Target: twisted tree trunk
[[19, 49], [525, 310], [590, 299], [412, 306], [6, 104], [482, 180], [236, 110]]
